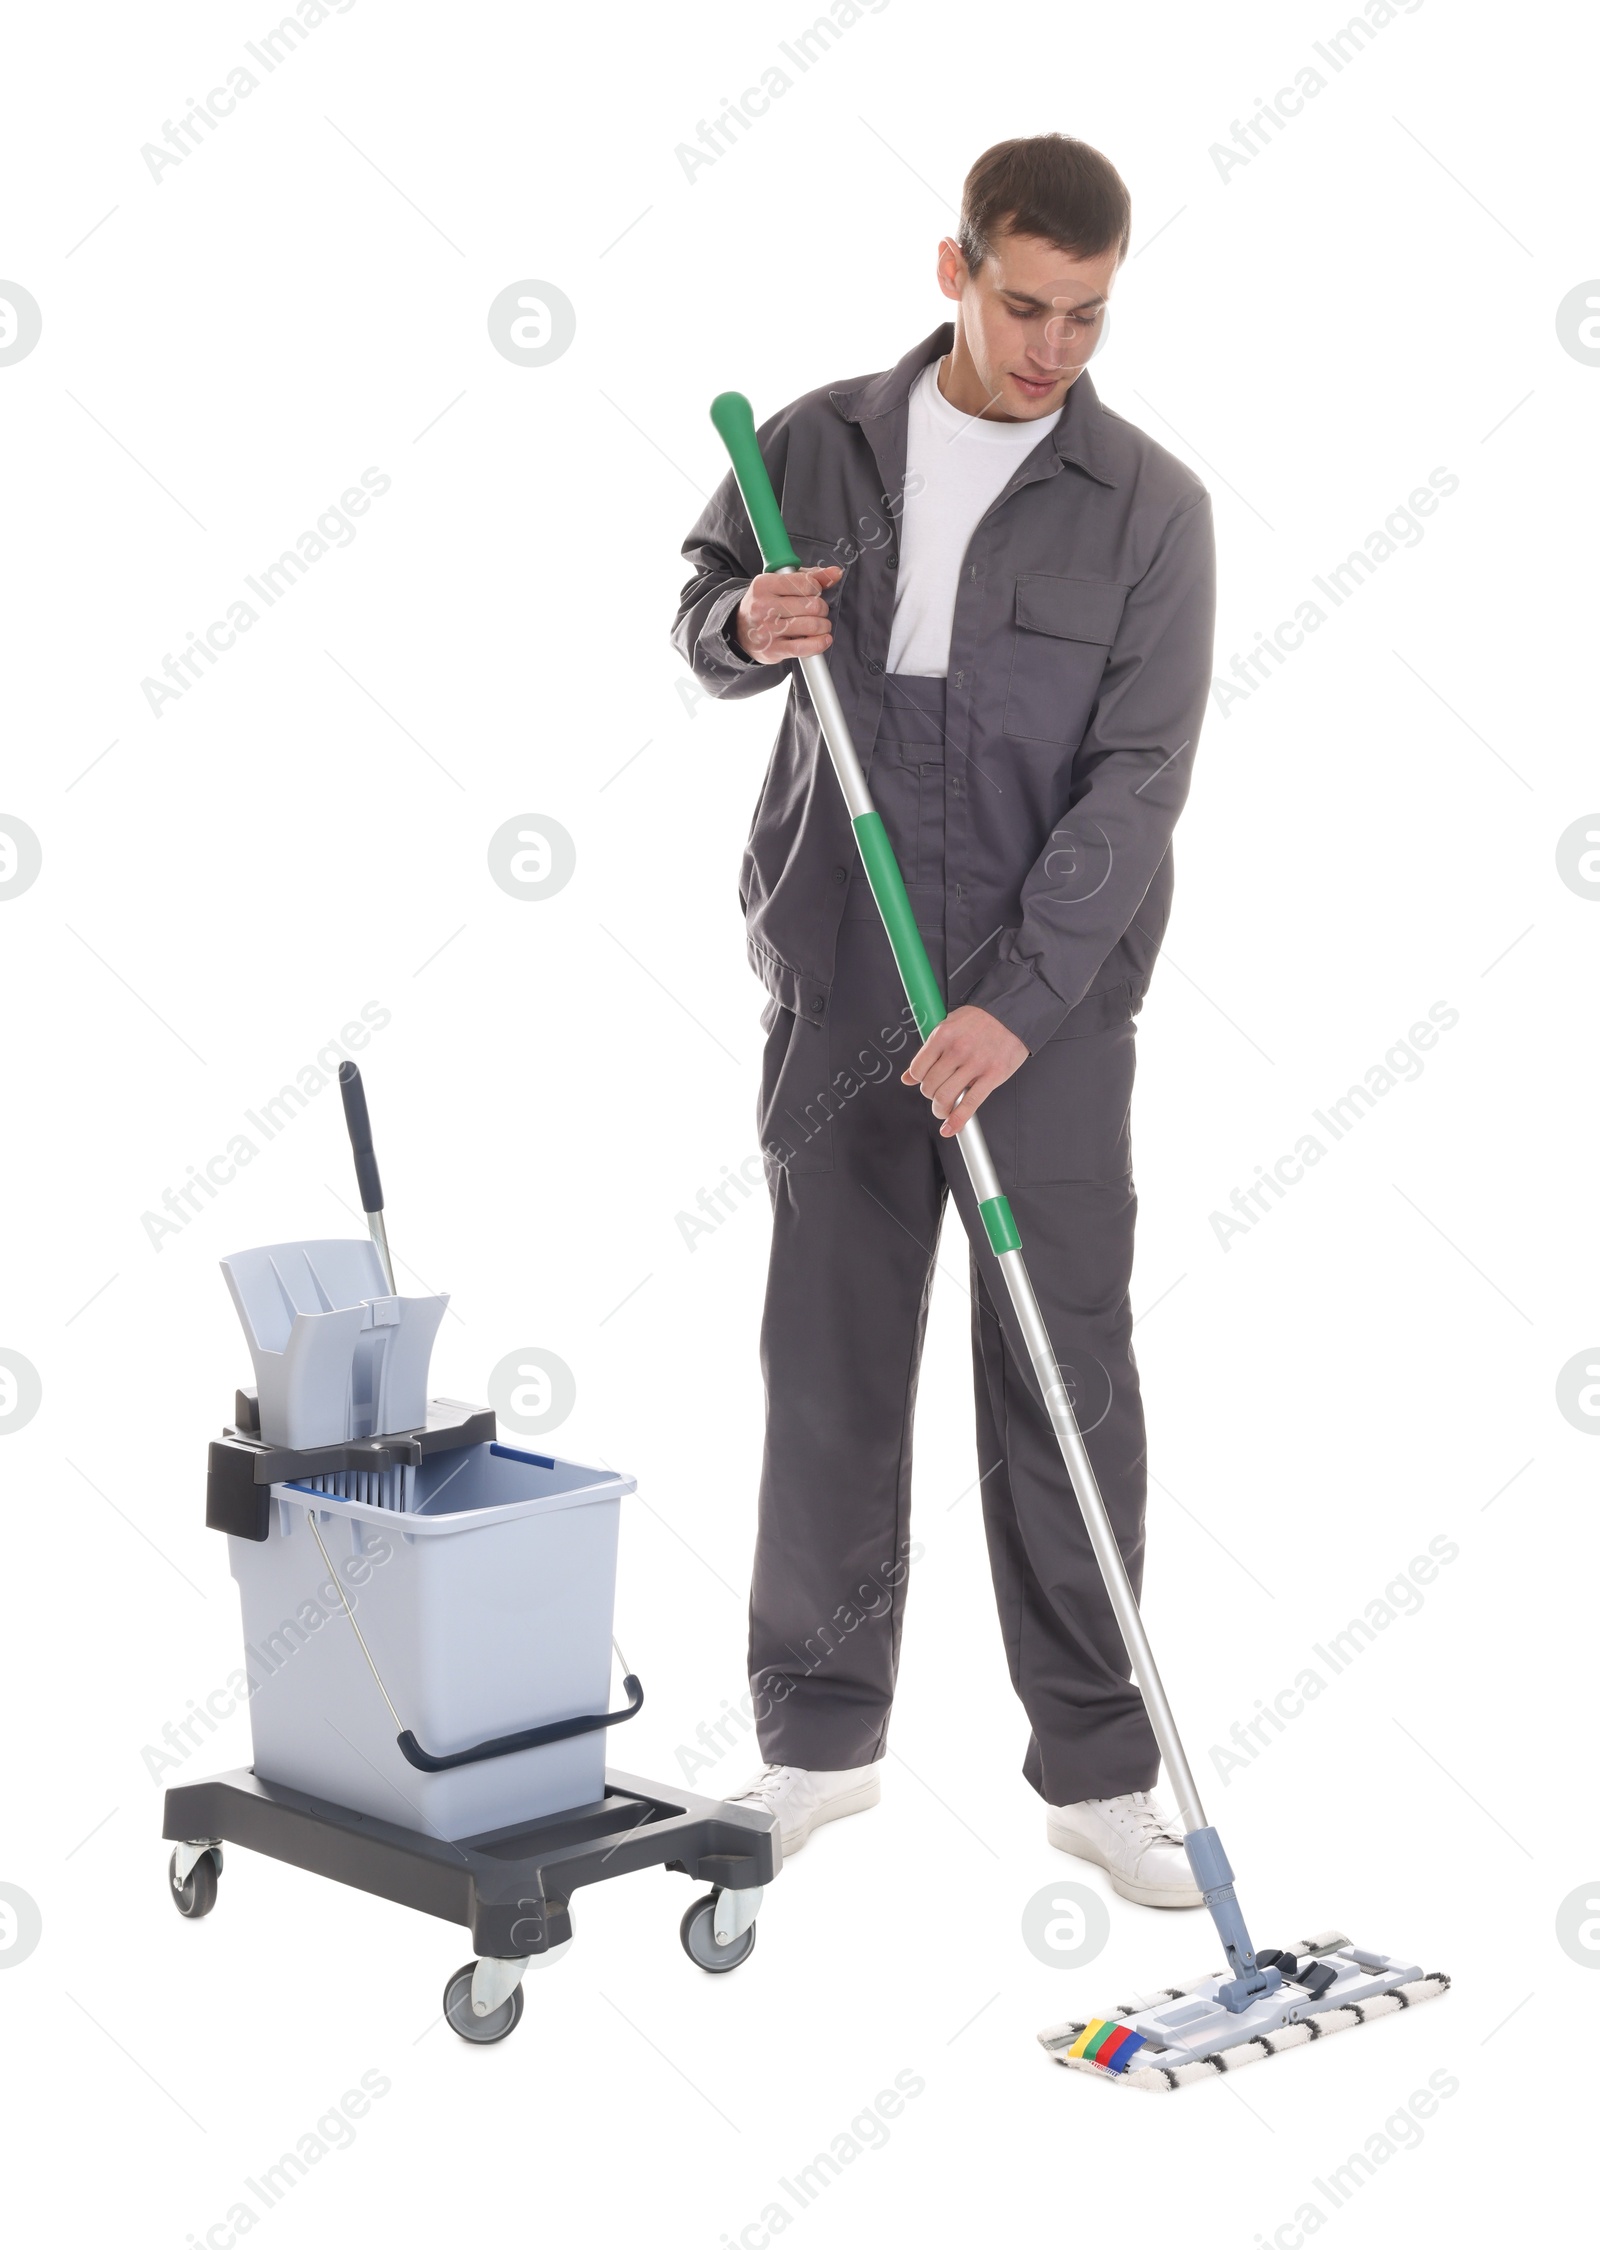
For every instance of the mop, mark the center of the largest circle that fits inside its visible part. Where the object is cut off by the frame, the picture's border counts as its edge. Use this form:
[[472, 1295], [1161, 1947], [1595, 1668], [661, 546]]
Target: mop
[[1264, 2001]]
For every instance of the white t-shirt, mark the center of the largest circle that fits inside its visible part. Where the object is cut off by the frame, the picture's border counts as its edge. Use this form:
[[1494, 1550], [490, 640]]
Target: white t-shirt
[[963, 463]]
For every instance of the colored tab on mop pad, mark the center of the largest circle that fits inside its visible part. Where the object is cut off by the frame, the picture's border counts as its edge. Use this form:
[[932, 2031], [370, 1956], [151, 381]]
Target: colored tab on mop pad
[[1111, 2045]]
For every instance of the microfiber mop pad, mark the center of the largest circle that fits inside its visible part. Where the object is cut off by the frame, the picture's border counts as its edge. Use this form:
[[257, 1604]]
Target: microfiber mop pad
[[1171, 2038]]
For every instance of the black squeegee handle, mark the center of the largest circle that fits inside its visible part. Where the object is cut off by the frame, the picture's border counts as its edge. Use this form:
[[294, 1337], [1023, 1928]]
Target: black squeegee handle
[[355, 1116]]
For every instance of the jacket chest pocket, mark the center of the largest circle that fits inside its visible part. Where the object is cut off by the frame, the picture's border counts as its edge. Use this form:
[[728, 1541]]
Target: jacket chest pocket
[[1063, 631], [817, 549]]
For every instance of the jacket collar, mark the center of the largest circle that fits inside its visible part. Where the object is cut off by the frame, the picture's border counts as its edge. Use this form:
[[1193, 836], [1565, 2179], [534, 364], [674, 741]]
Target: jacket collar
[[879, 399]]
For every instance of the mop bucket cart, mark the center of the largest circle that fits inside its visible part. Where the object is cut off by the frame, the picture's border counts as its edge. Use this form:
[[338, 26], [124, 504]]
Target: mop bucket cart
[[428, 1638]]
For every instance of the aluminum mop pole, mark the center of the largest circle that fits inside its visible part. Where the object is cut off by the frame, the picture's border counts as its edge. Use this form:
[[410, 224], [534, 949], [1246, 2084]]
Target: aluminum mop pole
[[735, 424]]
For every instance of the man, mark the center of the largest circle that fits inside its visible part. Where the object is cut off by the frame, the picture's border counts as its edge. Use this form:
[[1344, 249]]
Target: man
[[1014, 588]]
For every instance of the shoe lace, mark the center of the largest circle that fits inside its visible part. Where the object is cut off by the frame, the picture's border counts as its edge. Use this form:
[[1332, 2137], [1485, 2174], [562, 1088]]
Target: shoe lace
[[764, 1790], [1143, 1817]]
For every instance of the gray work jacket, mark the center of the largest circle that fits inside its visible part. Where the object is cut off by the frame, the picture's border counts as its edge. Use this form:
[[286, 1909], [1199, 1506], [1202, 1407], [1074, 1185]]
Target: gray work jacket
[[1080, 661]]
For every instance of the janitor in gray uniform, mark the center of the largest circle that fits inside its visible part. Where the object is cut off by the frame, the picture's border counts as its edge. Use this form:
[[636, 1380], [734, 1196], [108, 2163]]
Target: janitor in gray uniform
[[1014, 587]]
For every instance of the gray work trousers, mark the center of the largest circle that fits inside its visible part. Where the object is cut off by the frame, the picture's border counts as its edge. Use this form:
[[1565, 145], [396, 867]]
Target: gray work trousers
[[858, 1196]]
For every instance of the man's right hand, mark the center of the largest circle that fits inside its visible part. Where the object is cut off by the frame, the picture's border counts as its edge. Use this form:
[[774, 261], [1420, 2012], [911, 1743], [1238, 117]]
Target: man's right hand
[[783, 614]]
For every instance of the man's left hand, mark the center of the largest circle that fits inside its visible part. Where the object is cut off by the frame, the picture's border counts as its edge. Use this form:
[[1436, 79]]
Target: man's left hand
[[959, 1067]]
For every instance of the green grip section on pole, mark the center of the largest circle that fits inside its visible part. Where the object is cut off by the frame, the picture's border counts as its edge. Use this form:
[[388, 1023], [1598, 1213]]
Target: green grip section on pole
[[999, 1225], [910, 954], [735, 424]]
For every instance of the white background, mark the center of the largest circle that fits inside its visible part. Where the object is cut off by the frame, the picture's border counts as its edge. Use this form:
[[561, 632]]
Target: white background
[[1370, 298]]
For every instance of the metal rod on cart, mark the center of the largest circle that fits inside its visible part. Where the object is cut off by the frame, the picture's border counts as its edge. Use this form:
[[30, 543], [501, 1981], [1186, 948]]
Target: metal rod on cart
[[355, 1116]]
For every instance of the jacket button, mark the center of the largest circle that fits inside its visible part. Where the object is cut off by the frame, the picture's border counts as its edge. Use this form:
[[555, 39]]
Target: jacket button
[[873, 666], [816, 1007], [840, 874]]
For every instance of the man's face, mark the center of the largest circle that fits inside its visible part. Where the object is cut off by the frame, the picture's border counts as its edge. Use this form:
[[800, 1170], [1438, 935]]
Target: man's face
[[1029, 321]]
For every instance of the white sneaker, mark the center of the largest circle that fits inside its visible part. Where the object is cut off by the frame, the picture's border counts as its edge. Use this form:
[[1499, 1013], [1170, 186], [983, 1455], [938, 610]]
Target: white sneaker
[[803, 1799], [1134, 1840]]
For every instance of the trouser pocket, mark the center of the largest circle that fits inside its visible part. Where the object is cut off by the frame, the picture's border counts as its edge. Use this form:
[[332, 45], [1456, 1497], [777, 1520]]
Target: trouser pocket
[[1072, 1101], [793, 1111]]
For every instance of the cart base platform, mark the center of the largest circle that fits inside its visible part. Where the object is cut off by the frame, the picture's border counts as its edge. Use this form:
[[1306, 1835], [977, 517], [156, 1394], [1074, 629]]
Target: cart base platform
[[511, 1888]]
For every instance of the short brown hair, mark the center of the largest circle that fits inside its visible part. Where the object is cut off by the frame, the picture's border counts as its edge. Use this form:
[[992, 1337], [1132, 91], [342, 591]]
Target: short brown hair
[[1061, 190]]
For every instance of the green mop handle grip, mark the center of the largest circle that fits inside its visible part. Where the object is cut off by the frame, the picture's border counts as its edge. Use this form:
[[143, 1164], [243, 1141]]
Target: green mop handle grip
[[905, 939], [736, 426]]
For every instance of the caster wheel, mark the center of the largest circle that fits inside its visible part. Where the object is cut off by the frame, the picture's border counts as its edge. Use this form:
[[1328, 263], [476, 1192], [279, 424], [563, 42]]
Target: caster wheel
[[699, 1937], [197, 1893], [482, 2031]]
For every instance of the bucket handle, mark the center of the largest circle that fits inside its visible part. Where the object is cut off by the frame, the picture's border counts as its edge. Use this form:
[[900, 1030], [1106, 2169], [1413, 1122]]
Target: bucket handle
[[502, 1745], [531, 1738]]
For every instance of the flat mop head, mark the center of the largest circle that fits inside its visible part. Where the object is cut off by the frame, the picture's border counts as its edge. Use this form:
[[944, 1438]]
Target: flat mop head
[[1168, 2039]]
